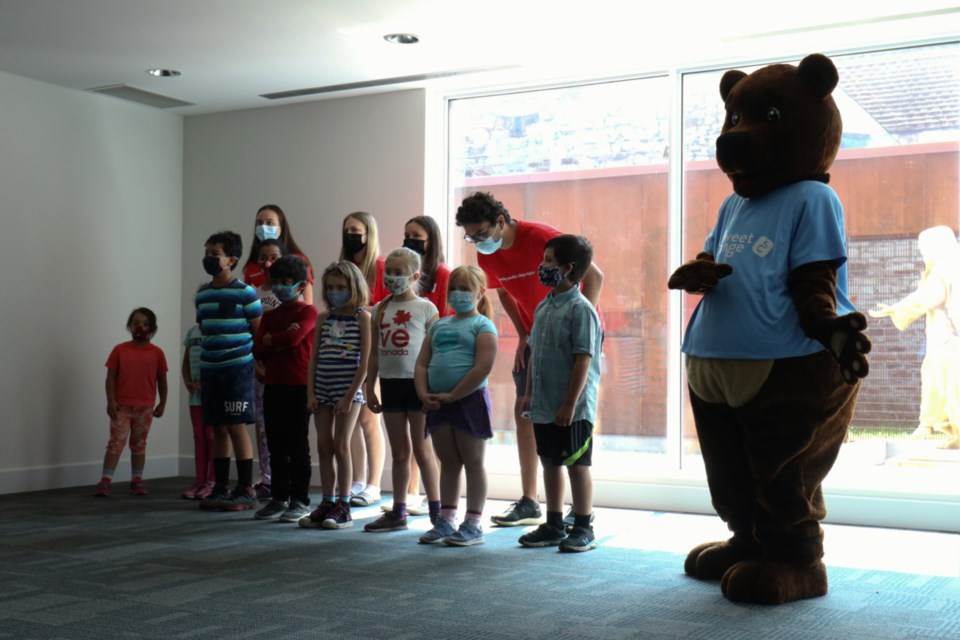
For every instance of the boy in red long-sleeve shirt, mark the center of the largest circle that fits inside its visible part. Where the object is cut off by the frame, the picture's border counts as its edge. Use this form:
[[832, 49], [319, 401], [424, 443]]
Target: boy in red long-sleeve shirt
[[283, 342]]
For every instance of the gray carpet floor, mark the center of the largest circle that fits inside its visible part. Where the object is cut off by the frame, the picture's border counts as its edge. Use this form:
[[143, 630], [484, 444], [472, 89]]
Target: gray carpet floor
[[72, 566]]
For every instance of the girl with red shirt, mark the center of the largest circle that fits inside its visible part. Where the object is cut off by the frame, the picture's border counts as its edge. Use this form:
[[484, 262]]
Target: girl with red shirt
[[272, 223]]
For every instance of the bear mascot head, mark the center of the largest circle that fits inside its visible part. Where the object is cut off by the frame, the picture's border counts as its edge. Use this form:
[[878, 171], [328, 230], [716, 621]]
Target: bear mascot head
[[774, 351]]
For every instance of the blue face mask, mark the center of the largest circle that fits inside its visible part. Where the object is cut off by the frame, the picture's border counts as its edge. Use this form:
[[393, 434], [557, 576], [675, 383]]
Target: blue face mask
[[265, 232], [338, 298], [462, 301], [286, 292], [488, 246]]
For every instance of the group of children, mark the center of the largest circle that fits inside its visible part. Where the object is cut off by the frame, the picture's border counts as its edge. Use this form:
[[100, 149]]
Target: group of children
[[402, 337]]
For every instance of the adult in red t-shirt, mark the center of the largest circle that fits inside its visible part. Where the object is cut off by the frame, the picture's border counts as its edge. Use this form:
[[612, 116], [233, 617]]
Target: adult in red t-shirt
[[361, 245], [422, 234], [510, 252], [272, 223]]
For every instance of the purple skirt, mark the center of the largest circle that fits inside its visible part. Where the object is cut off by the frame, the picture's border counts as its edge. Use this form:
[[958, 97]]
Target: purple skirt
[[472, 414]]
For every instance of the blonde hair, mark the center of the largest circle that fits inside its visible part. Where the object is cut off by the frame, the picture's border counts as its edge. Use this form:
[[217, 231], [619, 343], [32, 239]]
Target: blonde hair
[[410, 260], [368, 266], [477, 281], [359, 291]]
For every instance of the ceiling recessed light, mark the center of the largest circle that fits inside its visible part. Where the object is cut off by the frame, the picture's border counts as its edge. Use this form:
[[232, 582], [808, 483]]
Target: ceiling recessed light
[[401, 38], [164, 73]]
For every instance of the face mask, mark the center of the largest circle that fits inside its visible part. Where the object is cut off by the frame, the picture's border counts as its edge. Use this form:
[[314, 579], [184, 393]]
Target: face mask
[[211, 264], [488, 246], [396, 284], [265, 232], [353, 243], [462, 301], [286, 292], [338, 298], [140, 333], [550, 276], [420, 246]]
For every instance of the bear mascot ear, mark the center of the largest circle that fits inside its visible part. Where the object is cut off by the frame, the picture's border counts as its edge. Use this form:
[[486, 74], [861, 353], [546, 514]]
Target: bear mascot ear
[[729, 79], [818, 72]]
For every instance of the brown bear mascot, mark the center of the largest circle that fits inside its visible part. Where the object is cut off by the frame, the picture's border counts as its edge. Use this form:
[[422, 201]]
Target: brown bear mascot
[[774, 350]]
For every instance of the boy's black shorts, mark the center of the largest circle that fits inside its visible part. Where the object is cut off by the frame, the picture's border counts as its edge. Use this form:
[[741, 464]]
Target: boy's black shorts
[[565, 446]]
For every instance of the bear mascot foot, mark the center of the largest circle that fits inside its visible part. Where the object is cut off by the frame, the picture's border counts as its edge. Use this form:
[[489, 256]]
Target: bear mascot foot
[[773, 582], [710, 560]]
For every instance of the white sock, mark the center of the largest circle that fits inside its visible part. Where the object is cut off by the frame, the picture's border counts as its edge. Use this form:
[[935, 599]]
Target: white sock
[[372, 490], [356, 487]]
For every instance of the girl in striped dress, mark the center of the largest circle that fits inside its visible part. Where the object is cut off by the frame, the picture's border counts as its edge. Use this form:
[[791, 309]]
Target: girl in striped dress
[[338, 367]]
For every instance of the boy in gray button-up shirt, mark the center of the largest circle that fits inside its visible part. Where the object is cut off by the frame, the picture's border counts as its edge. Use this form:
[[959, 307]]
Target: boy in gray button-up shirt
[[562, 382]]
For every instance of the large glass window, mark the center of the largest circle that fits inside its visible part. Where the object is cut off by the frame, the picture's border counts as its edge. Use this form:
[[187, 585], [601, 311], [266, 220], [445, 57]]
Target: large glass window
[[596, 159], [590, 160], [896, 175]]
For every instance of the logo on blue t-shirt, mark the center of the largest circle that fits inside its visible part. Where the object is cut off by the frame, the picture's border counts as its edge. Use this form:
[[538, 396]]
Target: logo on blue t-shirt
[[734, 243]]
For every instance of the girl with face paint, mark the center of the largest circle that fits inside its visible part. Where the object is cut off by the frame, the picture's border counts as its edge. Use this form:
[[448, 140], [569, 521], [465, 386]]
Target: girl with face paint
[[136, 371], [271, 224]]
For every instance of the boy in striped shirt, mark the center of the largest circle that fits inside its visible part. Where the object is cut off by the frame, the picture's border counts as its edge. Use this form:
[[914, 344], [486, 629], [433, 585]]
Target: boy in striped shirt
[[228, 312], [561, 396]]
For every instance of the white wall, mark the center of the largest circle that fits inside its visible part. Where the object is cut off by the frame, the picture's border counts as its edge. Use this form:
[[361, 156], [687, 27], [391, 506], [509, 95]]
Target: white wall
[[318, 161], [91, 211]]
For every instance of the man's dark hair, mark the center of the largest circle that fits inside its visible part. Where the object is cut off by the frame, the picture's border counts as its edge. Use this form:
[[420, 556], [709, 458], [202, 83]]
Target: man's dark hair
[[231, 242], [571, 249], [289, 266], [481, 207]]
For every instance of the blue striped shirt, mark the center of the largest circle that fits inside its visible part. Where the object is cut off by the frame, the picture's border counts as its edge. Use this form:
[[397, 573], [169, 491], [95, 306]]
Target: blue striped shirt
[[564, 325], [224, 314]]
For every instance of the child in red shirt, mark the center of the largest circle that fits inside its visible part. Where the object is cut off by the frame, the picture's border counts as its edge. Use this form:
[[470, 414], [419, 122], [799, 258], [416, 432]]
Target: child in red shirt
[[135, 371]]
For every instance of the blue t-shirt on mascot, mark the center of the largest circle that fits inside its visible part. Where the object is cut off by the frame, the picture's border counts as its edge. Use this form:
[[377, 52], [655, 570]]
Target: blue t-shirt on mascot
[[764, 239]]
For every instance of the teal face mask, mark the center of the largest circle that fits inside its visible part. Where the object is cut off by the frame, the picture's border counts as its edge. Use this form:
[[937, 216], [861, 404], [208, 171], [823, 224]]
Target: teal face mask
[[488, 246], [286, 292], [461, 301]]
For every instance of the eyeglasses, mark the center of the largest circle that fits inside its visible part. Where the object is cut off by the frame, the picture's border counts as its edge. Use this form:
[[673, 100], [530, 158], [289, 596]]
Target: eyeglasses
[[479, 236]]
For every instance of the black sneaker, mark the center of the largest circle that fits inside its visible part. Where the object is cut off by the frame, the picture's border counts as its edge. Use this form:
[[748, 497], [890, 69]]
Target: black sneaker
[[545, 535], [273, 510], [242, 499], [218, 495], [579, 539], [522, 512], [570, 519]]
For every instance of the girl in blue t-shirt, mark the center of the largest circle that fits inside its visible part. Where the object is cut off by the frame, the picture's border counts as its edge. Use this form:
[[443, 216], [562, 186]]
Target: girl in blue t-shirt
[[451, 379]]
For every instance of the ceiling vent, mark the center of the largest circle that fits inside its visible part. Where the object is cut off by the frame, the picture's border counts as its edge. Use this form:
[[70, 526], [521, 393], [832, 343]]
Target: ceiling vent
[[296, 93], [133, 94]]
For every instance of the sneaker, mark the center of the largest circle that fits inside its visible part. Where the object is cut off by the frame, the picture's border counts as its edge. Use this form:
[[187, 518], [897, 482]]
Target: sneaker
[[441, 529], [338, 517], [570, 519], [545, 535], [417, 506], [579, 539], [295, 511], [217, 496], [103, 488], [206, 488], [191, 493], [465, 536], [263, 491], [386, 522], [242, 499], [364, 499], [137, 487], [522, 512], [273, 510], [314, 519]]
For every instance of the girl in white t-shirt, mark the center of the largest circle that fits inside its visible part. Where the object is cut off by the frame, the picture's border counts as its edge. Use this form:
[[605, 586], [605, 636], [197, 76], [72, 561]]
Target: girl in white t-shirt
[[400, 322]]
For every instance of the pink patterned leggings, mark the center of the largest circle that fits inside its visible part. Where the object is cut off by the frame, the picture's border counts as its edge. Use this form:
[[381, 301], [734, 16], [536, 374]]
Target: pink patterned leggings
[[133, 422]]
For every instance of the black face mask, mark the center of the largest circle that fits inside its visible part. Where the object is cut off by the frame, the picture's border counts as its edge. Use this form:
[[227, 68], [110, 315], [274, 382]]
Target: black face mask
[[353, 243], [420, 246]]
